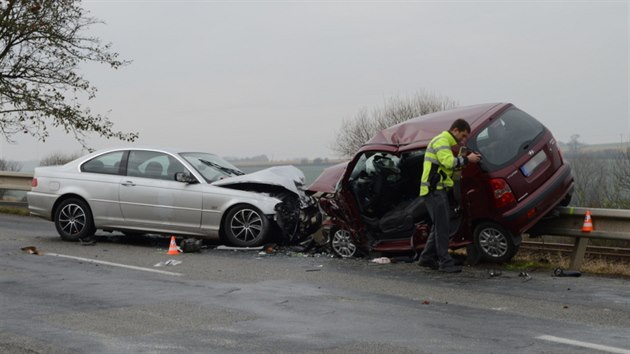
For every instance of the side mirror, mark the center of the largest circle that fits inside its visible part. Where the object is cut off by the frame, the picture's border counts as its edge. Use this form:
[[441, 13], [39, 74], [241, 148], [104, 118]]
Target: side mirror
[[185, 177]]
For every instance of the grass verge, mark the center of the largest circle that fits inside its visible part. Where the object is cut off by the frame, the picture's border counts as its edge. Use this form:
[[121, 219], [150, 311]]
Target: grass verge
[[14, 210], [536, 260]]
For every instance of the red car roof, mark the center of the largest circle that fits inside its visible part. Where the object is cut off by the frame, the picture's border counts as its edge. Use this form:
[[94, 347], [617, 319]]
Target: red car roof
[[427, 126], [410, 132]]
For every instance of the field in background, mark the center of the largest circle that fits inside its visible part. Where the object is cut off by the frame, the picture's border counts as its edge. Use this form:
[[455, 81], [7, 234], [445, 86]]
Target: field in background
[[311, 171]]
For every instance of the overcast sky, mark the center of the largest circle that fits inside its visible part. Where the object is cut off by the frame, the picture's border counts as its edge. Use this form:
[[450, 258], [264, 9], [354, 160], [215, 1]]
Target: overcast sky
[[244, 78]]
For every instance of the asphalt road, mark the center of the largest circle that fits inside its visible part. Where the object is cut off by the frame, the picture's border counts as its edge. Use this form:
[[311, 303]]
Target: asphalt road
[[111, 298]]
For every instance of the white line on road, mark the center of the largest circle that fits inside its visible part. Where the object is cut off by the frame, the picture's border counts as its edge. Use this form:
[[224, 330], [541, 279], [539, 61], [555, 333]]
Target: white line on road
[[578, 343], [113, 264]]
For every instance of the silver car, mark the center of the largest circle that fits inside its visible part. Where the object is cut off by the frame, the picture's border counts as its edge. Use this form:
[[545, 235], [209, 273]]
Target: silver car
[[168, 191]]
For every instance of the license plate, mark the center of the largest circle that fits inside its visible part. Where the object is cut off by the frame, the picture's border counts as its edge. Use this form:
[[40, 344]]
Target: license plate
[[528, 168]]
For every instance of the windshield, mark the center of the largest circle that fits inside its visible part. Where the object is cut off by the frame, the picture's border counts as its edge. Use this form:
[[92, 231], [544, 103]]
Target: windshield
[[211, 167]]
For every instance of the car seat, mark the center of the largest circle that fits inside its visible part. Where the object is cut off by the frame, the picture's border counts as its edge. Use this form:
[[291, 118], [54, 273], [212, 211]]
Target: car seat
[[402, 218], [153, 170]]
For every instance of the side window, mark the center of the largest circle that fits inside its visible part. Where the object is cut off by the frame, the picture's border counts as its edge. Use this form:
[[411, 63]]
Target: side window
[[151, 164], [107, 163], [173, 167]]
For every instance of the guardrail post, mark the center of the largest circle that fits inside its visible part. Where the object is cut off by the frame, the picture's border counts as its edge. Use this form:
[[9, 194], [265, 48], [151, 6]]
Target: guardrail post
[[579, 250]]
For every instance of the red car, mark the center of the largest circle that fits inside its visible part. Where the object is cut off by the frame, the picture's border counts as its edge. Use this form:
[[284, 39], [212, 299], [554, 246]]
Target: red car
[[373, 205]]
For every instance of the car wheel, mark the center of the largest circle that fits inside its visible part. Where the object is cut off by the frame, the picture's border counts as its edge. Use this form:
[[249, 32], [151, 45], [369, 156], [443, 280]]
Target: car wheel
[[246, 226], [494, 242], [341, 243], [73, 220]]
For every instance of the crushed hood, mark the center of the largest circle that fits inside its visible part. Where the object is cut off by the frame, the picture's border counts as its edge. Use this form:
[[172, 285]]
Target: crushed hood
[[327, 181], [285, 176]]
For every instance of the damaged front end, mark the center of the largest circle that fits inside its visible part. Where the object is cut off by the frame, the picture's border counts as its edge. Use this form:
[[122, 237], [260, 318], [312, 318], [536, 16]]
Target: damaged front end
[[297, 215], [297, 218]]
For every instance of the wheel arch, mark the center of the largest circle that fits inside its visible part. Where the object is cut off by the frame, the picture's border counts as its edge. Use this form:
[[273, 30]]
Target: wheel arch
[[516, 238], [227, 211], [65, 197]]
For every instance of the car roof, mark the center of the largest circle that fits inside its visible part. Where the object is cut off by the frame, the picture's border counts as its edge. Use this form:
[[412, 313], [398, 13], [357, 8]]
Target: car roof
[[425, 127], [172, 150]]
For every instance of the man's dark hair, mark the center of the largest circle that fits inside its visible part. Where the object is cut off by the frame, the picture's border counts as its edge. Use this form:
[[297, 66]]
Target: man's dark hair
[[461, 125]]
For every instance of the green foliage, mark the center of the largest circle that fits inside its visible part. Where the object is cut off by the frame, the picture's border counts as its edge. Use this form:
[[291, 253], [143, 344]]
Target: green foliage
[[14, 210], [41, 47]]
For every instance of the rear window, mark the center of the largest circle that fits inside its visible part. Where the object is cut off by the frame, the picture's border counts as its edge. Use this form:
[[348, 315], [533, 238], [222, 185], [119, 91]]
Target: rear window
[[506, 138]]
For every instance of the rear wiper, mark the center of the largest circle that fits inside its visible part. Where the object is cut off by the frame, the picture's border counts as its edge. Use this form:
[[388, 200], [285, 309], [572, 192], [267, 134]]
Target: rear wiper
[[525, 145], [222, 168]]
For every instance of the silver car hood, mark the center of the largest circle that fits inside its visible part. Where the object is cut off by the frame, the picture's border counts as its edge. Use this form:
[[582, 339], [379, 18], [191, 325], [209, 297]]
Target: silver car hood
[[284, 176]]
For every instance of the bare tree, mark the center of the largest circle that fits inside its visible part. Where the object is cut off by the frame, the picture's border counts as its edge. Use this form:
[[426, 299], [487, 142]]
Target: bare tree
[[621, 176], [57, 158], [42, 44], [11, 166], [357, 130], [600, 179]]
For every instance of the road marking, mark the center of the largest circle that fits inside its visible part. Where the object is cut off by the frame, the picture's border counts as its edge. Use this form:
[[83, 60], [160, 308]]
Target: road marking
[[113, 264], [578, 343]]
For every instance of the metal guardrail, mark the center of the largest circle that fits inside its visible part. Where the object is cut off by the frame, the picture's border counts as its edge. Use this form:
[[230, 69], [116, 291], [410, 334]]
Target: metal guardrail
[[608, 224], [17, 181]]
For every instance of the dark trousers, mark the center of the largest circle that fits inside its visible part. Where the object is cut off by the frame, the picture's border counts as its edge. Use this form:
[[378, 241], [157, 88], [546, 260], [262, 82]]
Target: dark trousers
[[437, 244]]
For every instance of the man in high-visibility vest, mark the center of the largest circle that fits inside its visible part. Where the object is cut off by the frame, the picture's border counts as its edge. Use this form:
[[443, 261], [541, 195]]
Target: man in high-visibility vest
[[437, 180]]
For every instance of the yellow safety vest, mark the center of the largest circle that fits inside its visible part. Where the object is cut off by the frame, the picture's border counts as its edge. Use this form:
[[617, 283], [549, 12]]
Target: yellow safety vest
[[440, 155]]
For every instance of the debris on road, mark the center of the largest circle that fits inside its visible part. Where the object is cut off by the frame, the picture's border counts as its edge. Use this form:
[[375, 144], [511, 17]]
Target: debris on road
[[401, 259], [525, 276], [190, 245], [559, 272], [87, 241], [31, 250], [231, 248], [494, 273], [382, 260], [170, 262], [425, 302]]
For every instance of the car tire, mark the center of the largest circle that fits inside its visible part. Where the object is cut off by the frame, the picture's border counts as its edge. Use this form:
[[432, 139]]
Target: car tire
[[73, 220], [342, 244], [494, 242], [246, 226]]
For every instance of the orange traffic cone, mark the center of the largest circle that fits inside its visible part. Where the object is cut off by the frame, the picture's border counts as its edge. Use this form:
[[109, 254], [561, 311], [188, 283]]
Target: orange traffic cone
[[172, 248], [588, 223]]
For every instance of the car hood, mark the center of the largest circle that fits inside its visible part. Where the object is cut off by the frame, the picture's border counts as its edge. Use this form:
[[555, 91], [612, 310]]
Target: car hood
[[327, 181], [288, 177]]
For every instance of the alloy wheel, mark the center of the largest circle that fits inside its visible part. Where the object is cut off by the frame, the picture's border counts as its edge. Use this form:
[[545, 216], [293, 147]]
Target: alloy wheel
[[246, 225], [342, 244]]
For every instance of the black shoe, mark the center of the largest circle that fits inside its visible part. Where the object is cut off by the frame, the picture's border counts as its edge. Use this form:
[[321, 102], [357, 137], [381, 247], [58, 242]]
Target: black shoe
[[429, 263], [451, 269]]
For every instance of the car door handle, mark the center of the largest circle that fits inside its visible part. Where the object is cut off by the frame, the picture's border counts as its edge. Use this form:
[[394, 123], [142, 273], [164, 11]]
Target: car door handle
[[128, 184]]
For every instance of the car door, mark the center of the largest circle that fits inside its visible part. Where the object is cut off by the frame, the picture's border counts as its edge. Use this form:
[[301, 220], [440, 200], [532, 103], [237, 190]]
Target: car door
[[99, 182], [151, 198]]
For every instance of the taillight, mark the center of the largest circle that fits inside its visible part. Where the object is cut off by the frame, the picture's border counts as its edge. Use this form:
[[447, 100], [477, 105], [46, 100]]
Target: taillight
[[552, 143], [34, 182], [503, 196]]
